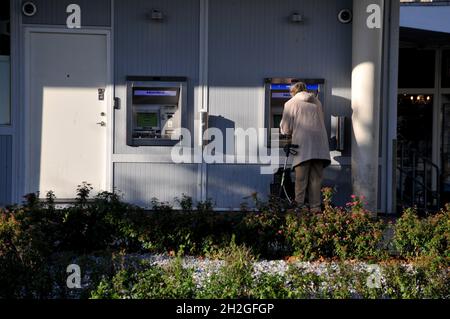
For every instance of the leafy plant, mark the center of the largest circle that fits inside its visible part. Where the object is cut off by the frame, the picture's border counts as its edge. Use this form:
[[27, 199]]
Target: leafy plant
[[234, 279], [270, 286], [24, 250], [263, 228], [430, 236], [154, 282], [336, 233], [304, 284]]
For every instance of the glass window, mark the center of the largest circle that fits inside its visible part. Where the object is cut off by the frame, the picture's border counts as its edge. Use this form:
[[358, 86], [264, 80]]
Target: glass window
[[446, 69], [416, 68], [415, 122], [5, 63]]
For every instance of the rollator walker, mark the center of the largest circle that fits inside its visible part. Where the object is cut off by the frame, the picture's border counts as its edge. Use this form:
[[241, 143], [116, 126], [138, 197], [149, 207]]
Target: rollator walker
[[283, 187]]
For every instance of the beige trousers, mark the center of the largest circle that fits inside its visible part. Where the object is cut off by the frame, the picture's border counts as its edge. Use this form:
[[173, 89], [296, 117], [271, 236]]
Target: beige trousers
[[308, 178]]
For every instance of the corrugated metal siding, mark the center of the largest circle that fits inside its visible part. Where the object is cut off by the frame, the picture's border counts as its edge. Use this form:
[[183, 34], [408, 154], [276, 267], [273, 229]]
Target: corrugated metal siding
[[95, 13], [259, 42], [168, 48], [5, 169], [144, 181], [231, 185], [145, 47]]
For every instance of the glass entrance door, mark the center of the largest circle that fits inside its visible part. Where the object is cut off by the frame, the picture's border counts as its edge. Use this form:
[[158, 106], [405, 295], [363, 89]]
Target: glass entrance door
[[415, 123], [416, 172]]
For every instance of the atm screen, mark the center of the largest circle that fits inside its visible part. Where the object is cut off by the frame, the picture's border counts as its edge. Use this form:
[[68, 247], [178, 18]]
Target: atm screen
[[155, 95], [282, 91], [147, 120]]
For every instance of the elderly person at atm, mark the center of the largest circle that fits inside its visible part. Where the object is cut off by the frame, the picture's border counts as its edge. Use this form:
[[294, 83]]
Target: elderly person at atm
[[303, 119]]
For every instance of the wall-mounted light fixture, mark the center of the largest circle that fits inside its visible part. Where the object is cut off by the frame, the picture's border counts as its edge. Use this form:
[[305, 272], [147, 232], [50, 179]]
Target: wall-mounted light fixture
[[296, 17], [345, 16], [156, 15], [29, 9]]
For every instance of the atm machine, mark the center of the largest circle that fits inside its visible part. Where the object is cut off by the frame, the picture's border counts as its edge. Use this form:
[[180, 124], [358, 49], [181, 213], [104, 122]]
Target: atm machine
[[156, 107], [278, 93]]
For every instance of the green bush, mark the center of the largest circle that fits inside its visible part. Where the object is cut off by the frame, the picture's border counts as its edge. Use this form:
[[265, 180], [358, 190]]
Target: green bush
[[428, 236], [171, 282], [424, 280], [304, 285], [262, 229], [32, 235], [234, 279], [102, 223], [25, 246], [94, 268], [198, 230], [336, 233], [271, 286]]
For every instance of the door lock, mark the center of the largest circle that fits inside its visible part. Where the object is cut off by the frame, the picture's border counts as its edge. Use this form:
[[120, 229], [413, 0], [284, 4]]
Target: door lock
[[102, 123]]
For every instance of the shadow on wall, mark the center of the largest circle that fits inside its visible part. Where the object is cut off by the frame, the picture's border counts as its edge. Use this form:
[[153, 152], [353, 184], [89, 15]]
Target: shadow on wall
[[222, 123], [343, 189]]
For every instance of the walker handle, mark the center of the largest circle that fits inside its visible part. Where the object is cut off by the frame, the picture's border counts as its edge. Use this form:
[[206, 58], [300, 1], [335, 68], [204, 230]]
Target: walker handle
[[289, 149]]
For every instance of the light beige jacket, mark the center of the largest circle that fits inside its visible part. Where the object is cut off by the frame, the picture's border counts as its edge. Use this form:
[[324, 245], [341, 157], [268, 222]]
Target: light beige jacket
[[303, 118]]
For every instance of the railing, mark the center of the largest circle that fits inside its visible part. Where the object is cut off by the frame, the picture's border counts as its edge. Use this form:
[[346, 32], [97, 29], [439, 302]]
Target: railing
[[419, 180]]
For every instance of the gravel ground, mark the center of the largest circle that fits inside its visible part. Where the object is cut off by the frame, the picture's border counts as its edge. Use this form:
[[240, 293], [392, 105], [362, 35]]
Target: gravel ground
[[204, 268]]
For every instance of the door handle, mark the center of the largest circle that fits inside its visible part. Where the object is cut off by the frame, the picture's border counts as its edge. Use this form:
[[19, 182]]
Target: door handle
[[102, 123]]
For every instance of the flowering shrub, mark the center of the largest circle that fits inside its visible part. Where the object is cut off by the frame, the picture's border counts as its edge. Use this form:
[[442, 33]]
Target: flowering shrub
[[357, 204], [327, 194], [263, 228], [336, 233], [429, 236]]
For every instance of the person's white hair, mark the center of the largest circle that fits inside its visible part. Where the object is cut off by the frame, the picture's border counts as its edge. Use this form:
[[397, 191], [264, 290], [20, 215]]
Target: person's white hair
[[298, 87]]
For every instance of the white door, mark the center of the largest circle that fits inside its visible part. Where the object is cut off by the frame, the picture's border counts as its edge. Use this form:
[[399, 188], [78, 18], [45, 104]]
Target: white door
[[66, 143]]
